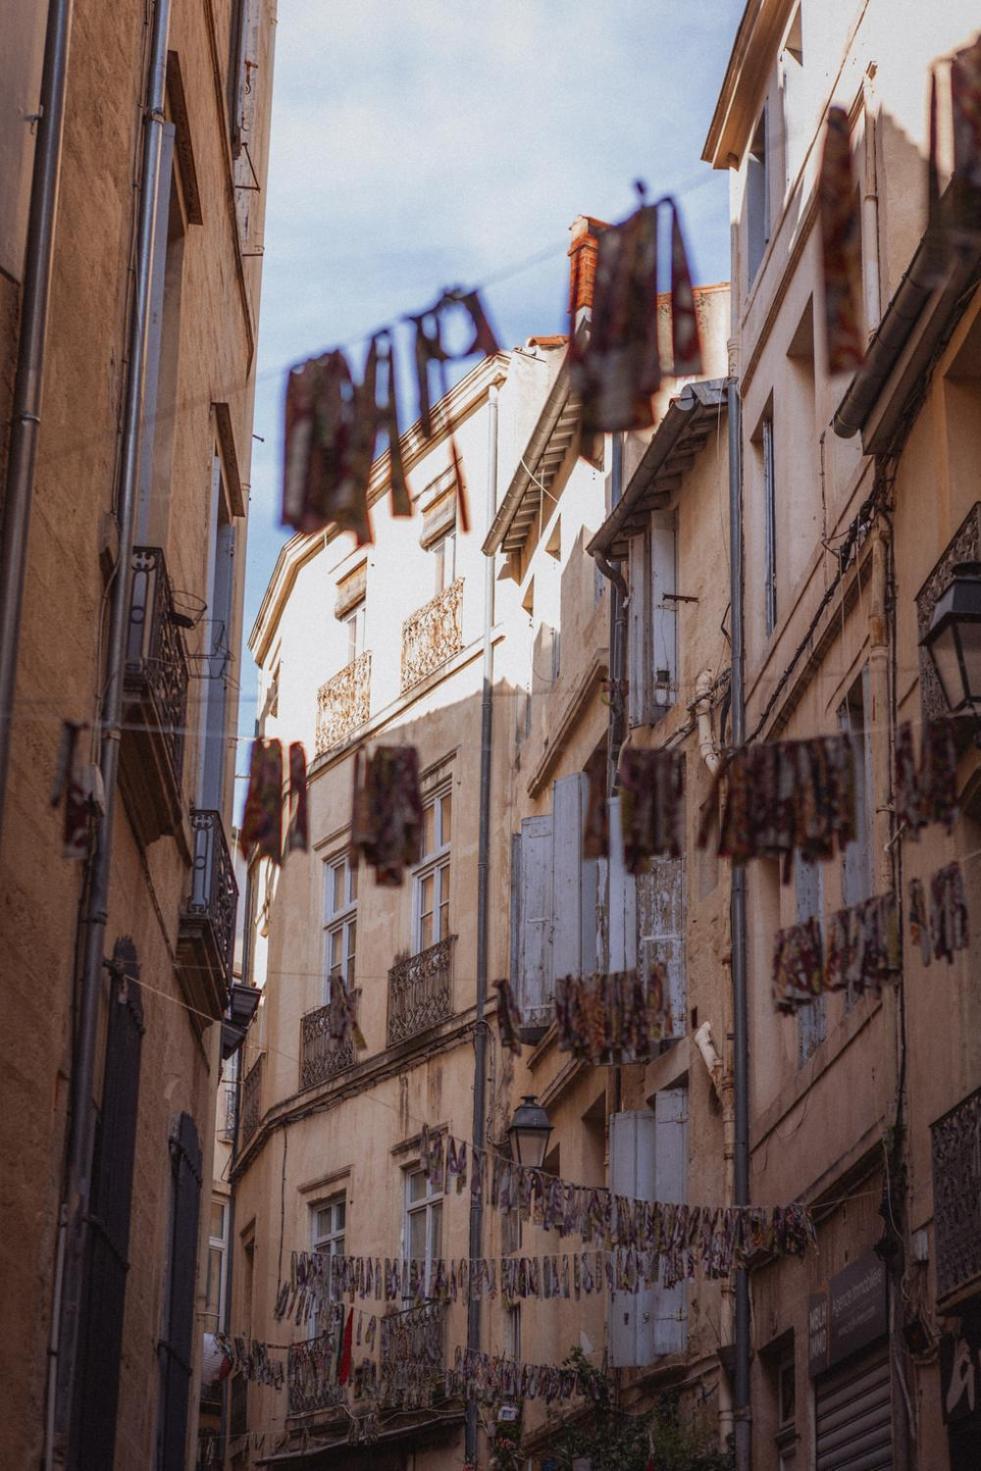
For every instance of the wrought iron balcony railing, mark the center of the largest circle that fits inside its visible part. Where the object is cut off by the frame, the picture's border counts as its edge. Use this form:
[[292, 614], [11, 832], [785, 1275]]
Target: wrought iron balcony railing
[[432, 635], [956, 1148], [343, 703], [155, 681], [227, 1112], [412, 1355], [311, 1373], [251, 1102], [206, 934], [420, 991], [321, 1055]]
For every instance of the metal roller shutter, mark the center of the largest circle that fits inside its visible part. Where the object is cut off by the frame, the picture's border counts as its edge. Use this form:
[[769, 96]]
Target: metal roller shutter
[[853, 1414]]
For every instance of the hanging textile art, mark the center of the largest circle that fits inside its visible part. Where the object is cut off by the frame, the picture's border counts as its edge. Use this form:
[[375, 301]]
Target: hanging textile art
[[508, 1018], [262, 821], [612, 1018], [298, 828], [386, 821], [859, 955], [652, 794], [948, 930], [927, 793], [841, 240], [616, 368]]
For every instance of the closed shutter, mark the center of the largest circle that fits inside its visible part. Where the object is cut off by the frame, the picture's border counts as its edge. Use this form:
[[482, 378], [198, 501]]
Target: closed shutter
[[534, 919], [574, 881], [671, 1172], [621, 918], [107, 1263], [853, 1415], [661, 930], [632, 1173], [176, 1349], [663, 672], [638, 624]]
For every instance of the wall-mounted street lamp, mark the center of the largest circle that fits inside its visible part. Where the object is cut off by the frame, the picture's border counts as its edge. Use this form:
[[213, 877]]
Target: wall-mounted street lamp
[[953, 639], [529, 1132]]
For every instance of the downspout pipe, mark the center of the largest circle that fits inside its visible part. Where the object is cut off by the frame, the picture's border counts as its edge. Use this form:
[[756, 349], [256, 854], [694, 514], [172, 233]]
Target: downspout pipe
[[483, 903], [742, 1418], [25, 425], [82, 1124]]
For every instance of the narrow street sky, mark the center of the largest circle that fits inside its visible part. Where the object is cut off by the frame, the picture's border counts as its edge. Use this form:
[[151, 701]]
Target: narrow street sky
[[418, 144]]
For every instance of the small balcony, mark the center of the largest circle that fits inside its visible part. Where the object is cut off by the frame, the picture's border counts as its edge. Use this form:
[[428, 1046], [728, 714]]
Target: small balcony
[[155, 680], [251, 1102], [227, 1108], [322, 1056], [420, 991], [432, 635], [311, 1375], [343, 704], [956, 1149], [411, 1342], [206, 934]]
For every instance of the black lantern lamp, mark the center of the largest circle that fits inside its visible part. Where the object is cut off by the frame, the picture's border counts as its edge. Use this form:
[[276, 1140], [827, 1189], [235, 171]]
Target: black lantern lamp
[[529, 1132], [953, 639]]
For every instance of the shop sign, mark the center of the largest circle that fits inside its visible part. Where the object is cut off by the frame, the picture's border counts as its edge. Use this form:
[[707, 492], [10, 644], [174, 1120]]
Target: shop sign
[[848, 1314]]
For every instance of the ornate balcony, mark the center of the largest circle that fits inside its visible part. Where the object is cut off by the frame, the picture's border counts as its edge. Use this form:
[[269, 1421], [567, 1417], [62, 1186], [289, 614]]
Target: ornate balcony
[[155, 682], [251, 1102], [311, 1374], [206, 934], [432, 635], [419, 991], [321, 1055], [956, 1146], [343, 704], [409, 1342]]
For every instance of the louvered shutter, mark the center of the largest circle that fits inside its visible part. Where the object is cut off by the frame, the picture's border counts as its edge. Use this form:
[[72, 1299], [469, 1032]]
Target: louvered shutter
[[621, 915], [638, 625], [107, 1262], [534, 916], [663, 672], [632, 1173], [176, 1349], [661, 930], [670, 1180], [574, 881]]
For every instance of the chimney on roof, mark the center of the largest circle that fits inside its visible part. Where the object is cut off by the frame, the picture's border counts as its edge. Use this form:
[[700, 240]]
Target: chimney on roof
[[583, 247]]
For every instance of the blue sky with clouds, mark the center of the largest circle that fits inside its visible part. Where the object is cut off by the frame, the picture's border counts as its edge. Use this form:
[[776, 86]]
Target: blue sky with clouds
[[424, 143]]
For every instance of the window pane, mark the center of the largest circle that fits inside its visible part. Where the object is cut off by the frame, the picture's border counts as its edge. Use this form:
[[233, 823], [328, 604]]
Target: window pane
[[427, 888], [446, 804], [436, 1236], [338, 894], [426, 932], [336, 950], [417, 1235], [429, 828], [323, 1222], [340, 1207], [417, 1185], [352, 885], [352, 934], [214, 1280], [217, 1218]]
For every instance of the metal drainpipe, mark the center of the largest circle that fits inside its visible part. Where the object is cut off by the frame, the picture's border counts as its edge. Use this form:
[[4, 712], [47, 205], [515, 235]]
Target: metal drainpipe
[[742, 1414], [25, 425], [82, 1127], [483, 901]]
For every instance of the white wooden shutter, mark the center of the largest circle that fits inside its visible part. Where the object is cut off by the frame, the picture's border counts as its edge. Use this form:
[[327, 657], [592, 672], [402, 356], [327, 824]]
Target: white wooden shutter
[[535, 969], [575, 881], [662, 674], [632, 1173], [661, 930], [621, 913], [670, 1329], [638, 616]]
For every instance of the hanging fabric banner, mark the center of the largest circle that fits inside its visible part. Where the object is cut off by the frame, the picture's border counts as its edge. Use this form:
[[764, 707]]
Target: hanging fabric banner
[[262, 820], [841, 240]]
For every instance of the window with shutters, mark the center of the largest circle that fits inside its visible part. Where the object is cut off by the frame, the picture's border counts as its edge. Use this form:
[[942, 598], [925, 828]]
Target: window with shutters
[[652, 637], [661, 931], [328, 1224], [431, 882], [215, 667], [177, 1343], [758, 196], [812, 1020], [107, 1253], [217, 1247]]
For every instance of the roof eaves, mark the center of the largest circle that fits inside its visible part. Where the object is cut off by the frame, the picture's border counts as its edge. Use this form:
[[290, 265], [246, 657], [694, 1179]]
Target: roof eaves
[[559, 398], [759, 31], [656, 474]]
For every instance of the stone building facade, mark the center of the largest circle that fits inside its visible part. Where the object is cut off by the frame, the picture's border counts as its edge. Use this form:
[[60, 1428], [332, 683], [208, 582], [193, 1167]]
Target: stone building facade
[[128, 1394]]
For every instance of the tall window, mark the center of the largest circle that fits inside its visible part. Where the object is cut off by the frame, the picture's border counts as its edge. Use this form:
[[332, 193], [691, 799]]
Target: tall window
[[809, 899], [327, 1225], [423, 1222], [217, 1240], [355, 622], [769, 527], [432, 878], [856, 878], [757, 198], [444, 559], [340, 920]]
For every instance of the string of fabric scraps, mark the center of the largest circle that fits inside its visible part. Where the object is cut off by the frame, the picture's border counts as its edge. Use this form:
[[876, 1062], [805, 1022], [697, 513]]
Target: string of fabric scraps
[[387, 814], [250, 1359], [490, 1379], [262, 819], [928, 792], [612, 1018], [945, 930], [860, 956]]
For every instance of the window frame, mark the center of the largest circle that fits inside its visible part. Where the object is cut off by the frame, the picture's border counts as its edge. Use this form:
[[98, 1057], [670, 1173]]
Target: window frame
[[757, 196], [218, 1244], [355, 620], [769, 483], [434, 864], [439, 549], [430, 1202], [339, 921], [330, 1243]]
